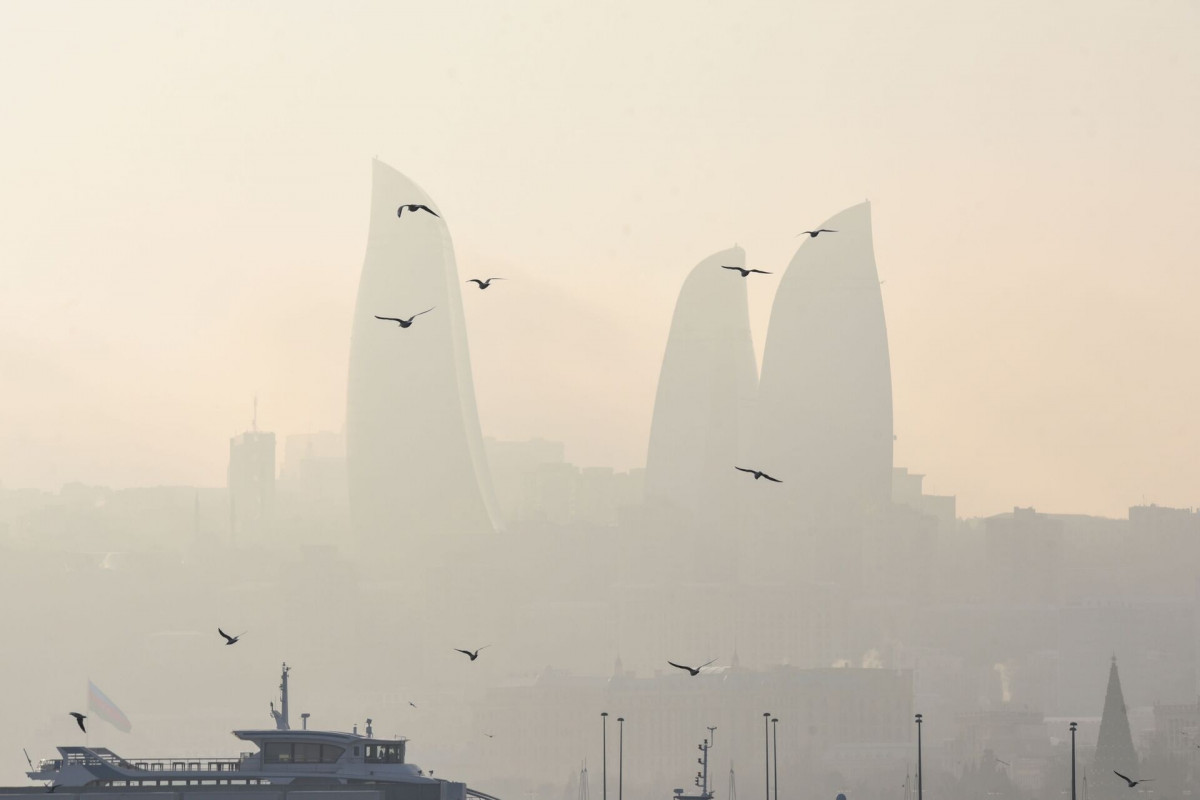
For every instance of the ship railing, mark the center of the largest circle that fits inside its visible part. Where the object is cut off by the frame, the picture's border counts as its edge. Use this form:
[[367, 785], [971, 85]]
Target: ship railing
[[189, 764], [475, 794]]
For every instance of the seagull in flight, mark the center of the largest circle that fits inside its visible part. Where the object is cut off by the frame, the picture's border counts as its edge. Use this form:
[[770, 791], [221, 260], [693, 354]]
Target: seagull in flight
[[758, 473], [484, 284], [79, 718], [490, 736], [411, 703], [693, 671], [473, 655], [746, 272], [404, 323], [230, 639], [1132, 783], [816, 233], [415, 207]]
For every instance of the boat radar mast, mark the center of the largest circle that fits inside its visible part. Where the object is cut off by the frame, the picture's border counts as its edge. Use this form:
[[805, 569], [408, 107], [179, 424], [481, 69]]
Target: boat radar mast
[[281, 716]]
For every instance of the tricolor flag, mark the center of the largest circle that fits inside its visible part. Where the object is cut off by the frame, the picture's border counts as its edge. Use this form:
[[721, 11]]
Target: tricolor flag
[[105, 709]]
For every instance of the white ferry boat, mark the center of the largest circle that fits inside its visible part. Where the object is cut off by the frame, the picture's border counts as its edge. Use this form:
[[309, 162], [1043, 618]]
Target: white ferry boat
[[311, 760]]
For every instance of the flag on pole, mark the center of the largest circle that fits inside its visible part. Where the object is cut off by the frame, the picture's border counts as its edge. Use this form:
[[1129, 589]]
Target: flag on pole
[[105, 709]]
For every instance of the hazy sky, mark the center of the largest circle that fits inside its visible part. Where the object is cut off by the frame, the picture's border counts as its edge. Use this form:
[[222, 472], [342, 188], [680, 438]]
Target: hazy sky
[[185, 191]]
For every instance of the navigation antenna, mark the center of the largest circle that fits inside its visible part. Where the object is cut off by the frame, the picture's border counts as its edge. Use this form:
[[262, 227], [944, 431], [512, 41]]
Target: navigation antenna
[[702, 775], [583, 782], [732, 783], [281, 716]]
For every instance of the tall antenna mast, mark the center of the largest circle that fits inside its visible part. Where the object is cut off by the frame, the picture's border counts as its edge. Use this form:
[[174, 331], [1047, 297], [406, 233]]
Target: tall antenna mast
[[583, 782], [281, 716], [732, 783]]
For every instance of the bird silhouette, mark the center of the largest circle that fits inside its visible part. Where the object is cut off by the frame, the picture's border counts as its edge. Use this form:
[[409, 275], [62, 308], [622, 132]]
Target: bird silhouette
[[411, 703], [757, 473], [484, 284], [816, 233], [746, 272], [691, 670], [1132, 783], [230, 639], [473, 655], [79, 718], [415, 207], [404, 323], [490, 736]]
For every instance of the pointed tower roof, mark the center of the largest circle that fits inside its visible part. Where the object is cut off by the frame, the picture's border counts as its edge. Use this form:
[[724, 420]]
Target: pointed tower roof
[[1114, 748]]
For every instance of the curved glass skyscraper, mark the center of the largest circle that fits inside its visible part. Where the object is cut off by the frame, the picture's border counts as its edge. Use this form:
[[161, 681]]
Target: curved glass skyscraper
[[706, 392], [824, 420], [414, 451]]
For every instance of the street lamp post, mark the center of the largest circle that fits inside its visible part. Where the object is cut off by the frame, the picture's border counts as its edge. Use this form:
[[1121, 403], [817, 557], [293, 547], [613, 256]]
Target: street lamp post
[[1073, 726], [775, 739], [604, 755], [767, 750], [621, 759], [920, 770]]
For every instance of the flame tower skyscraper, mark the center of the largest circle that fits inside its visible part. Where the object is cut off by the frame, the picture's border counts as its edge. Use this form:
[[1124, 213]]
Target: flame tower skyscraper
[[824, 419], [414, 450]]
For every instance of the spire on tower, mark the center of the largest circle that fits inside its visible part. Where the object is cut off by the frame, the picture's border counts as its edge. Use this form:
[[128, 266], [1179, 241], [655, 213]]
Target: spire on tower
[[1114, 747]]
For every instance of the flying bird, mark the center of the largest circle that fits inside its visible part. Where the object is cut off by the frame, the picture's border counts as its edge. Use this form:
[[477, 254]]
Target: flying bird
[[1132, 783], [816, 233], [411, 703], [473, 655], [230, 639], [79, 718], [490, 736], [758, 473], [691, 670], [415, 207], [746, 272], [404, 323], [484, 284]]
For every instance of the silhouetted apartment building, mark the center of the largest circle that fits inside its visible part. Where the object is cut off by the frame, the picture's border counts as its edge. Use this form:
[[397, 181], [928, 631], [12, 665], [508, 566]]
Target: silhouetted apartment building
[[1023, 557], [251, 482], [312, 501], [536, 487], [1017, 736], [907, 490]]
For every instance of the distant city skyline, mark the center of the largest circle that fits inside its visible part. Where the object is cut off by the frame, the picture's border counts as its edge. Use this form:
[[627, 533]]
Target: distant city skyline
[[198, 241]]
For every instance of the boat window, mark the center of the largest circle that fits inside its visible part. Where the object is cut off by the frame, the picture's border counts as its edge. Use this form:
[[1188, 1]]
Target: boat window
[[331, 753], [385, 753], [307, 753], [277, 753]]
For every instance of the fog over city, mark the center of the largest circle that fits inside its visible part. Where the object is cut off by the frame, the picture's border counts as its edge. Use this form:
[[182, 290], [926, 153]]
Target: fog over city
[[846, 347]]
